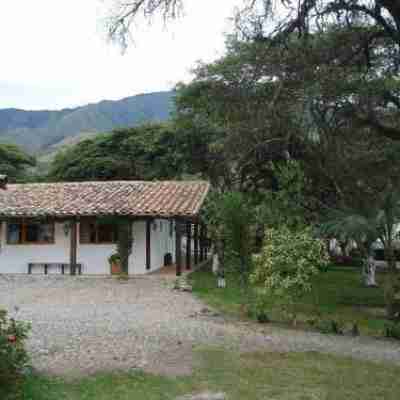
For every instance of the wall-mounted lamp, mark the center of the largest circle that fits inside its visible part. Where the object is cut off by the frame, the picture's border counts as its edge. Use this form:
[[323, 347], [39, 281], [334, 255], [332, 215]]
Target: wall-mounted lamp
[[67, 228]]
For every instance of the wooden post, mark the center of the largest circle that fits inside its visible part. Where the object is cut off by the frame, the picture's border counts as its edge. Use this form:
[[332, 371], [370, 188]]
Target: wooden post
[[178, 248], [202, 242], [188, 245], [196, 243], [205, 243], [148, 244], [73, 247]]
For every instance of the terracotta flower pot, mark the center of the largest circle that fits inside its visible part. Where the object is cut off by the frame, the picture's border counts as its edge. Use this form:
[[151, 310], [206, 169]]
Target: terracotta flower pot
[[116, 269]]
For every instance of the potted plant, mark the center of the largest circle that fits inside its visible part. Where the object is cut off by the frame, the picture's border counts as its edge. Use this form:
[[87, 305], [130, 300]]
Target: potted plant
[[115, 264]]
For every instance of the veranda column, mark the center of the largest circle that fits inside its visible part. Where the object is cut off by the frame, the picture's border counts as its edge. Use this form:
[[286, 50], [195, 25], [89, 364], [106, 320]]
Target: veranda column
[[202, 243], [196, 243], [205, 243], [73, 247], [188, 245], [178, 247], [148, 244]]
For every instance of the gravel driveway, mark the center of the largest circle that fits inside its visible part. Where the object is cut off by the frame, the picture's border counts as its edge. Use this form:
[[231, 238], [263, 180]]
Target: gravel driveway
[[84, 325]]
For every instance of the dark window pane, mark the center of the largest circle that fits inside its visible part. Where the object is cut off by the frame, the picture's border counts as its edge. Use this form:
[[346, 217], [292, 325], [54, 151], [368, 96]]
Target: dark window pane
[[93, 236], [105, 233], [14, 233], [95, 233], [32, 233], [45, 233]]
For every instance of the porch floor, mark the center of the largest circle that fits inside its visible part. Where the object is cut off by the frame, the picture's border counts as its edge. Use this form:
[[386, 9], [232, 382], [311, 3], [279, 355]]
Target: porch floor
[[170, 270]]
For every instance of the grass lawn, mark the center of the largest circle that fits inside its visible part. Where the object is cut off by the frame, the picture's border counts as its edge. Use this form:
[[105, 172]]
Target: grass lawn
[[338, 294], [249, 376]]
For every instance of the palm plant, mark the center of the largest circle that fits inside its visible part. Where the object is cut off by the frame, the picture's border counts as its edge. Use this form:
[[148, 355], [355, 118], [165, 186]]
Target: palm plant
[[372, 220]]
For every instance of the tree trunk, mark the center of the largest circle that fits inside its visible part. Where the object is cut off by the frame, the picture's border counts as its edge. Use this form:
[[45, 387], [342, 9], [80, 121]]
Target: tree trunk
[[369, 269], [390, 280], [218, 257], [215, 262], [344, 247]]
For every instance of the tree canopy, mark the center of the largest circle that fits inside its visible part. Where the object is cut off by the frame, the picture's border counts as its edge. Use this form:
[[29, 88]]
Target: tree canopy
[[143, 153], [358, 36], [256, 107], [14, 161]]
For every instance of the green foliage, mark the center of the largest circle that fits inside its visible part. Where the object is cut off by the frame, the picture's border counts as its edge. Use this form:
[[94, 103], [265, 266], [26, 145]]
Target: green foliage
[[329, 326], [288, 261], [287, 203], [229, 217], [143, 153], [374, 220], [13, 356], [124, 242], [114, 259], [336, 295], [392, 330], [14, 161], [269, 101], [232, 103]]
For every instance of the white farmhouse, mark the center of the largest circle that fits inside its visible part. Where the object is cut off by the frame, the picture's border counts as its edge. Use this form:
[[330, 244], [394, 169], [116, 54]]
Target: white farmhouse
[[57, 228]]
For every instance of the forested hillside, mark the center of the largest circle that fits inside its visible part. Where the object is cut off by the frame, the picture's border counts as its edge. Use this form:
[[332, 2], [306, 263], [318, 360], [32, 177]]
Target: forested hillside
[[39, 130]]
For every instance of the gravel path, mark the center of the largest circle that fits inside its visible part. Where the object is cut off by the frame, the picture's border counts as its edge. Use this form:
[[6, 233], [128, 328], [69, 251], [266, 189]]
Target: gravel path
[[83, 325]]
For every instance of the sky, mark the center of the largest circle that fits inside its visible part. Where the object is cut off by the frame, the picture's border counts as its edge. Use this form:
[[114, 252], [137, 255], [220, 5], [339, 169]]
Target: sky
[[54, 53]]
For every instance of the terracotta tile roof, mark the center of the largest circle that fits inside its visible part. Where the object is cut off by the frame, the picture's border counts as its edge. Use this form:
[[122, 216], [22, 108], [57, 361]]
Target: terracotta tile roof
[[131, 198]]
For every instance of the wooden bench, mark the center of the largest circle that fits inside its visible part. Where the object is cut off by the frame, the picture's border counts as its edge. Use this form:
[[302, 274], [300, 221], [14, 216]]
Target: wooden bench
[[46, 267]]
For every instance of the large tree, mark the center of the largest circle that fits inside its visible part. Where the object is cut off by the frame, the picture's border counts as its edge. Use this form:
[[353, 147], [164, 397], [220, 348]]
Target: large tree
[[367, 36], [246, 115], [253, 106], [14, 161], [147, 152]]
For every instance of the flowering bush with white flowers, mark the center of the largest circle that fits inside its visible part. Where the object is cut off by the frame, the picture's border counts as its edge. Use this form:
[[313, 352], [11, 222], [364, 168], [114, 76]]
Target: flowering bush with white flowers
[[288, 261]]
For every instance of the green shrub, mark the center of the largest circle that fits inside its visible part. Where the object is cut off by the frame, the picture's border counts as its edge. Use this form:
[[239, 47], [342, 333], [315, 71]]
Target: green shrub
[[329, 327], [284, 270], [13, 356], [355, 331], [262, 317], [392, 330], [258, 308]]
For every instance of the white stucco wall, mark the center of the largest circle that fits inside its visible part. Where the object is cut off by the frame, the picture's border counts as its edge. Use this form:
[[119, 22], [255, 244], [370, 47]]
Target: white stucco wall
[[14, 259]]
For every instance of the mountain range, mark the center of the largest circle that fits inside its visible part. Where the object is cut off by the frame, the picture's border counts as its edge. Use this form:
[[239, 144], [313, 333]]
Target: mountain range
[[39, 132]]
